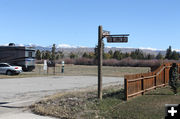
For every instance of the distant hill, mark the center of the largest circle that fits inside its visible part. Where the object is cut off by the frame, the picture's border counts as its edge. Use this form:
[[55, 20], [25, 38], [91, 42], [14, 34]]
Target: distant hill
[[80, 50]]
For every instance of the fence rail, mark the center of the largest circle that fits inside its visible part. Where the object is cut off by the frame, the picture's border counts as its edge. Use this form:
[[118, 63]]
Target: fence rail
[[138, 84]]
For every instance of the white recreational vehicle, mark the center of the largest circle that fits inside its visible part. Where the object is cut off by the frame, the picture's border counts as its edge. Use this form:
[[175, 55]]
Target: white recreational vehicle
[[18, 55]]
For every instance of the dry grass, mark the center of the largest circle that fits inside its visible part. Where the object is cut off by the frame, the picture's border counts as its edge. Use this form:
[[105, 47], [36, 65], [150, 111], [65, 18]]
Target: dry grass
[[81, 70], [85, 105], [68, 105]]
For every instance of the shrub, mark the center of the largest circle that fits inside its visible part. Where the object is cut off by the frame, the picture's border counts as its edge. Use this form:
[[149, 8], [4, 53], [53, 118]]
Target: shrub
[[84, 61], [174, 77], [110, 62], [69, 61]]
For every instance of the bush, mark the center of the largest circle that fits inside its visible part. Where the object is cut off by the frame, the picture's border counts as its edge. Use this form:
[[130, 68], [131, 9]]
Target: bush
[[110, 62], [69, 61], [84, 61], [154, 64], [132, 62]]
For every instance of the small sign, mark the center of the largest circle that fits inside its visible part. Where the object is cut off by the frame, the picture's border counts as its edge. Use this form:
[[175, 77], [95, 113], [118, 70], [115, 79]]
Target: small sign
[[117, 39], [62, 63], [45, 65]]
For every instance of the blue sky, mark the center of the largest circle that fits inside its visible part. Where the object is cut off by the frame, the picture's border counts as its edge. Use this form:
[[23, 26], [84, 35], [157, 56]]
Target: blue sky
[[150, 23]]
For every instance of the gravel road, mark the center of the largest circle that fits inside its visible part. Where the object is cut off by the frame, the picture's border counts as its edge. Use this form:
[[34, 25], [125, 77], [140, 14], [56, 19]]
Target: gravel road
[[17, 93]]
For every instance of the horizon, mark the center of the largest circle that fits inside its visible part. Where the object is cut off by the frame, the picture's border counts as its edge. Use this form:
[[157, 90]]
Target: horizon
[[69, 46], [151, 24]]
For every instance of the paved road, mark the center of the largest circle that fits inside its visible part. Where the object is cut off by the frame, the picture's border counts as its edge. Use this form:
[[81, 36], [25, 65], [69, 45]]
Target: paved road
[[17, 93]]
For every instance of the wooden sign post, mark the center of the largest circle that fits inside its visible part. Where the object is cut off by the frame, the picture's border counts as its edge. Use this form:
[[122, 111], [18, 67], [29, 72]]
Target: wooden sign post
[[111, 39], [100, 38]]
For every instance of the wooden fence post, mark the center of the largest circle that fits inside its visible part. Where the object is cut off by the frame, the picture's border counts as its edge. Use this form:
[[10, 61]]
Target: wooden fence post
[[155, 81], [126, 89], [47, 70], [142, 84], [39, 67], [54, 69], [164, 75], [100, 61]]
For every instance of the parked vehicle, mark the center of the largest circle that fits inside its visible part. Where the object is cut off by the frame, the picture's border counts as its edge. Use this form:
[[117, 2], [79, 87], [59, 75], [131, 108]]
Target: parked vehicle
[[18, 55], [7, 69]]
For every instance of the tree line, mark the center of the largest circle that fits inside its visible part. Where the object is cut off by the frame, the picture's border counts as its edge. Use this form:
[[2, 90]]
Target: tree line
[[137, 54]]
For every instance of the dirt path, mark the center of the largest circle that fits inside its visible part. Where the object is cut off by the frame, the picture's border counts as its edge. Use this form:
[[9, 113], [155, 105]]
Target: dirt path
[[16, 94]]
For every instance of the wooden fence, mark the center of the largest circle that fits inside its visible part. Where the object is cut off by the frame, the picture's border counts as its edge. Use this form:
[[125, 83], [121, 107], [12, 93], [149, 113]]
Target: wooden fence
[[138, 84]]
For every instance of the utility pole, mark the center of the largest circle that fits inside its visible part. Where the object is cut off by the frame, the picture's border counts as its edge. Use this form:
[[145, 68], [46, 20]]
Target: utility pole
[[100, 37]]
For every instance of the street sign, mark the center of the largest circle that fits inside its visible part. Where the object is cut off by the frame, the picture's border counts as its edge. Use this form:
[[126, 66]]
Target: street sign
[[117, 39]]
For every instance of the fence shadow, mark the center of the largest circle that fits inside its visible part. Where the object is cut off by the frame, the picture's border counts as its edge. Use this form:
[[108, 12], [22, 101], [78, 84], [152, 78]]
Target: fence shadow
[[117, 94], [159, 94]]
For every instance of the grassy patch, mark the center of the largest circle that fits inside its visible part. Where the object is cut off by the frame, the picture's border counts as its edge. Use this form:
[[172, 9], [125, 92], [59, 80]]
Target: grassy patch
[[80, 70], [85, 105]]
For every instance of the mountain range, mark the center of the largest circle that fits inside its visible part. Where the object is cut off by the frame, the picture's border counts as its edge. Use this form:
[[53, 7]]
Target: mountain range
[[66, 49]]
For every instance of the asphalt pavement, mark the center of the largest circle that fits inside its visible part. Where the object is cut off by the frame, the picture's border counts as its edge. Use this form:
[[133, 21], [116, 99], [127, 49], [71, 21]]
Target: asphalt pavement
[[17, 93]]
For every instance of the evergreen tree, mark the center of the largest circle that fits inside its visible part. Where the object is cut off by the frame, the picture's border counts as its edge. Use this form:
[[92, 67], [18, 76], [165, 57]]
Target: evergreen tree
[[72, 55], [85, 55], [110, 53], [137, 54], [168, 53], [107, 56], [57, 57], [150, 56], [91, 55], [175, 55], [96, 50], [47, 55], [53, 52], [117, 55], [38, 54], [43, 55], [159, 56], [61, 54], [126, 55], [174, 77]]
